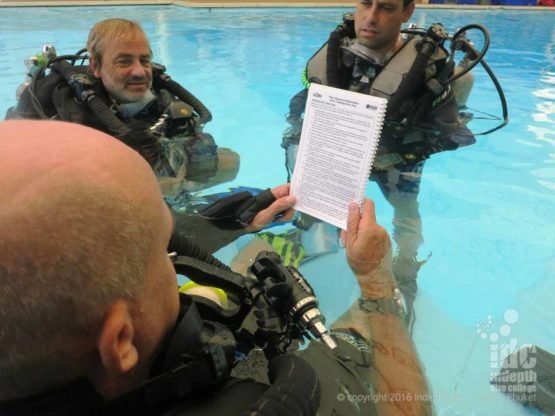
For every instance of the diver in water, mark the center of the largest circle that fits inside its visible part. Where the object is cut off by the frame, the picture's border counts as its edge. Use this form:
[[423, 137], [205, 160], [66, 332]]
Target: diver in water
[[122, 93], [92, 323], [369, 54]]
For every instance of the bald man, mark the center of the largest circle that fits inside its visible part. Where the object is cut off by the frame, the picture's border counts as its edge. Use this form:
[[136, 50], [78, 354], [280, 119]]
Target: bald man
[[84, 240], [88, 293]]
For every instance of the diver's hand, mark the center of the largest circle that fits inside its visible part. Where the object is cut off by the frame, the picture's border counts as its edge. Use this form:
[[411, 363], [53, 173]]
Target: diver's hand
[[368, 250], [281, 206]]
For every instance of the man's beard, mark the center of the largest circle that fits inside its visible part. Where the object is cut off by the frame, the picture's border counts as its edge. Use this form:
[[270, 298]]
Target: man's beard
[[129, 110]]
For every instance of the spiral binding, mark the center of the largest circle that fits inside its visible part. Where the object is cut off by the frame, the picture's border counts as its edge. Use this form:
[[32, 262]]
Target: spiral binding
[[381, 103]]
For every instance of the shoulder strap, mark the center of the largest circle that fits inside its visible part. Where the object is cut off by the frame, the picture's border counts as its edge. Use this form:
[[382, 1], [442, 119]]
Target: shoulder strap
[[316, 66]]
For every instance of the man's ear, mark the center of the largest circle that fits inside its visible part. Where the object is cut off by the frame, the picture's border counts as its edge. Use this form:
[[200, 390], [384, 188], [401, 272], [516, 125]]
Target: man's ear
[[116, 343], [408, 11], [94, 67]]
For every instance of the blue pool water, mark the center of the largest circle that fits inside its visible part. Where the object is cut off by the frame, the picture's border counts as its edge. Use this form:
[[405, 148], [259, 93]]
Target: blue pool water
[[487, 209]]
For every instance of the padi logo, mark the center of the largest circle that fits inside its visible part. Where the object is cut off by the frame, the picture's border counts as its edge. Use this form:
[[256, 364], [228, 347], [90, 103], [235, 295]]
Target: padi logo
[[317, 95], [371, 107]]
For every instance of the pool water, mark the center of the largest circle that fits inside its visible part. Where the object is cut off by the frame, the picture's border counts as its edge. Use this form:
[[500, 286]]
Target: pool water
[[487, 210]]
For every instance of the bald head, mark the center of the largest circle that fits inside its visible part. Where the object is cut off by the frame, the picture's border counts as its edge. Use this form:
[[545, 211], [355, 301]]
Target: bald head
[[37, 155], [77, 216]]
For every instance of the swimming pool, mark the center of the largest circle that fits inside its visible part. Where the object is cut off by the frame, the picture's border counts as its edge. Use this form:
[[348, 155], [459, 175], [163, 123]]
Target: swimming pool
[[486, 209]]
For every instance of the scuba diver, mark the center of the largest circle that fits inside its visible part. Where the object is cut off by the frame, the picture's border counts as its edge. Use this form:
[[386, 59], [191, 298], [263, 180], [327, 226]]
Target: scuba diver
[[426, 113], [92, 323], [123, 93]]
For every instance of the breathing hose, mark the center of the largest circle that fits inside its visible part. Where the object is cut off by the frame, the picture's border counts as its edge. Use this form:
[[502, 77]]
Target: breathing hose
[[83, 88], [466, 46], [334, 42], [184, 246], [478, 57], [163, 80], [85, 92], [345, 28]]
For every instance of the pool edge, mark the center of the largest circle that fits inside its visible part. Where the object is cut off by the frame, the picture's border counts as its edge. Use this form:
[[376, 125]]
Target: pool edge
[[239, 4]]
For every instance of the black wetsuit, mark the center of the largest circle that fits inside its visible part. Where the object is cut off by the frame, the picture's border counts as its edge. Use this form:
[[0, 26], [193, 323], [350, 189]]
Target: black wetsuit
[[59, 102], [343, 377]]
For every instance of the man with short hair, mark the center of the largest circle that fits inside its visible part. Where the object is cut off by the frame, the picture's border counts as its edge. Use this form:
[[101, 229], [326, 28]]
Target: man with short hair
[[378, 23], [120, 56], [89, 302], [367, 54], [124, 94]]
